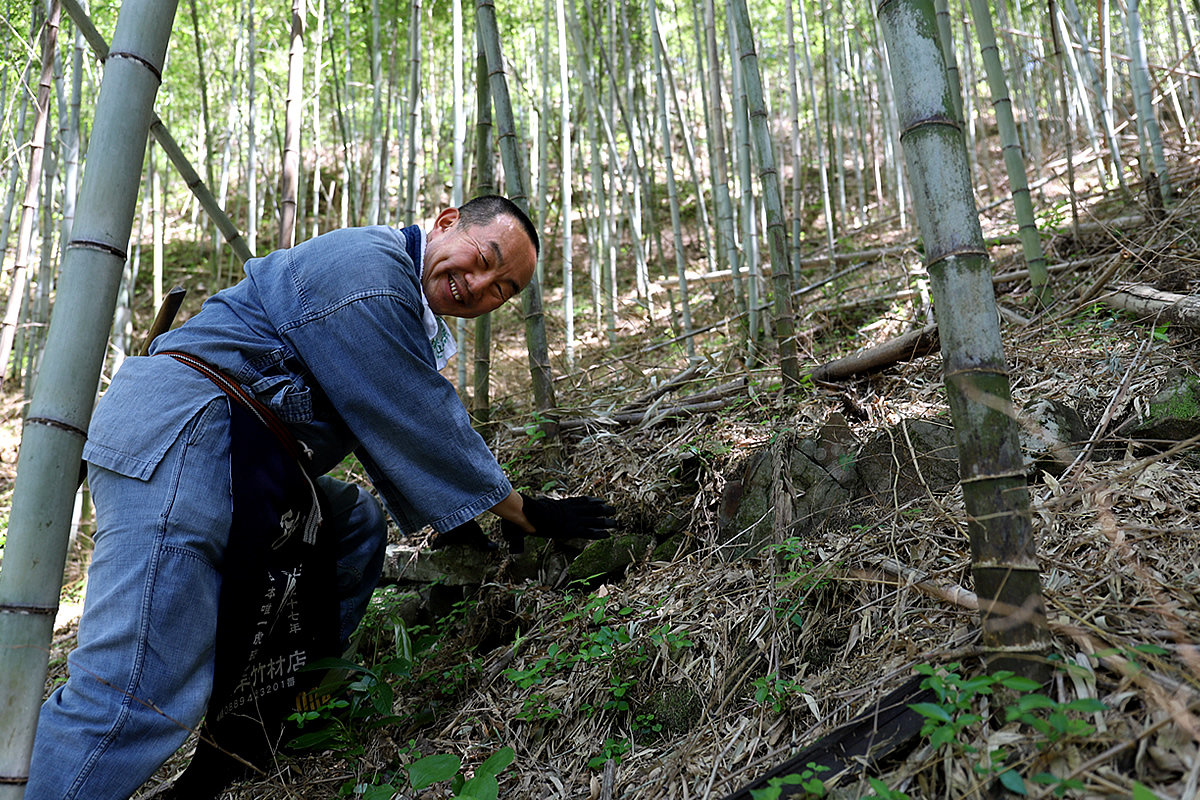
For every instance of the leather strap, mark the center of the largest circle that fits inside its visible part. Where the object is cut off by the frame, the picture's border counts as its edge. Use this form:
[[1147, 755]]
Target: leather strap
[[235, 391]]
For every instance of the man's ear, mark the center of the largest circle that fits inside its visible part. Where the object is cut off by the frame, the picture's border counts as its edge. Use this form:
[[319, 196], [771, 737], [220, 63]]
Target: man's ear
[[446, 219]]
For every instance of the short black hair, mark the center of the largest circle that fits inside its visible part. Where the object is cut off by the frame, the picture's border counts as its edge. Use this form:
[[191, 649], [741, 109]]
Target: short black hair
[[485, 208]]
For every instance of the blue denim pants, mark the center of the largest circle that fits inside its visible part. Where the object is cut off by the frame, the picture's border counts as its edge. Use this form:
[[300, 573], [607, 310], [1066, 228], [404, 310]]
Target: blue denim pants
[[141, 674]]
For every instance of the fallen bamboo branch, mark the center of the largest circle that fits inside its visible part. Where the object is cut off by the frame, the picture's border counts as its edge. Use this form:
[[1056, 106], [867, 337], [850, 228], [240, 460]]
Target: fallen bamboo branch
[[636, 417], [1066, 266], [913, 344], [1098, 285], [907, 347], [1148, 302], [665, 387]]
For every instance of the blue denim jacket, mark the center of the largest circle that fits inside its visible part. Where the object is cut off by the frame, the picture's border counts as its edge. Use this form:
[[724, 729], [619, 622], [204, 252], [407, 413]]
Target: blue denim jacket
[[329, 335]]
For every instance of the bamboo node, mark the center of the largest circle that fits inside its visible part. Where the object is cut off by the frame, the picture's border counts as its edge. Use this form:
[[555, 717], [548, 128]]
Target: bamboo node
[[28, 609], [103, 247], [961, 252], [947, 121], [995, 476], [154, 70], [59, 424]]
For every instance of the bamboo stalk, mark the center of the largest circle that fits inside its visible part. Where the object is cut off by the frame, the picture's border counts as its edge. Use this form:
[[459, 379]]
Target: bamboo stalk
[[485, 183], [290, 177], [999, 524], [29, 204], [1014, 162], [515, 182], [785, 323], [48, 466]]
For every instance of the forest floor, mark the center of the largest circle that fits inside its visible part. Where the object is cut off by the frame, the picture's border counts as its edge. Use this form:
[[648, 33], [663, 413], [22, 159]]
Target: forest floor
[[698, 672]]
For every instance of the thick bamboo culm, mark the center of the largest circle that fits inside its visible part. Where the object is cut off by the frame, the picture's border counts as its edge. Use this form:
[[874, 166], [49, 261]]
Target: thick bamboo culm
[[48, 465], [1003, 552]]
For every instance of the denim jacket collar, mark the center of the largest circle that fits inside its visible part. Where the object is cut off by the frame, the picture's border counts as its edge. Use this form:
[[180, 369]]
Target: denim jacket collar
[[440, 338]]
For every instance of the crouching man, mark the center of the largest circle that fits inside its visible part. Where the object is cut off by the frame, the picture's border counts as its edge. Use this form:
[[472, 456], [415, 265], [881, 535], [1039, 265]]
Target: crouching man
[[330, 347]]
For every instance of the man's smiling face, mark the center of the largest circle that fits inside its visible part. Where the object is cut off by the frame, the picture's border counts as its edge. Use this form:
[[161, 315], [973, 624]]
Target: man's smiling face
[[473, 270]]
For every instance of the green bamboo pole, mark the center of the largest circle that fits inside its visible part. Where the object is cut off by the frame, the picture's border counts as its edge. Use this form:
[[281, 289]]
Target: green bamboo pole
[[1149, 135], [664, 122], [458, 124], [781, 273], [565, 166], [251, 180], [318, 73], [71, 139], [1065, 106], [749, 225], [350, 184], [205, 118], [414, 111], [14, 173], [376, 117], [726, 228], [17, 288], [1098, 89], [689, 152], [794, 144], [946, 37], [515, 181], [485, 183], [603, 246], [543, 138], [459, 118], [48, 466], [162, 135], [290, 178], [819, 146], [1078, 97], [39, 309], [1003, 551], [591, 94], [1014, 161]]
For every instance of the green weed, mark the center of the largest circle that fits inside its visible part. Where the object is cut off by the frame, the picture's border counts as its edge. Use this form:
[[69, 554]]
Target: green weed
[[806, 779]]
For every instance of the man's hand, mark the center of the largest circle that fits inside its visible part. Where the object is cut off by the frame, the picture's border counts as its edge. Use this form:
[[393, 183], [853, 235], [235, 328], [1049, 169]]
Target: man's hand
[[570, 518]]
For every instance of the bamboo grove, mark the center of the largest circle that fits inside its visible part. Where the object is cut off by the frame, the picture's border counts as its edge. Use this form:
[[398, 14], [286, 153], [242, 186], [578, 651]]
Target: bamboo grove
[[685, 161], [634, 126]]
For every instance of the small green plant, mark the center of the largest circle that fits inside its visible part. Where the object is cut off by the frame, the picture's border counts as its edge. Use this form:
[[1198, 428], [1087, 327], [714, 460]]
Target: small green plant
[[952, 714], [613, 749], [1141, 792], [647, 726], [535, 429], [946, 719], [797, 580], [619, 688], [538, 706], [882, 791], [1060, 786], [775, 691], [674, 640], [360, 702], [1133, 654], [538, 671], [440, 768], [806, 779]]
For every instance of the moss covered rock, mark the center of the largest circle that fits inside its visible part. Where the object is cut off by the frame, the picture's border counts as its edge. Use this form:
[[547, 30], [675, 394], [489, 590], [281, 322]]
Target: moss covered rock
[[1173, 414], [608, 558]]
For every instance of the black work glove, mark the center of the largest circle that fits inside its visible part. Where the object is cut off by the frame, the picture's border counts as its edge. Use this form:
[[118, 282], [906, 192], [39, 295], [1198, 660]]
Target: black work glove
[[469, 534], [570, 518]]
